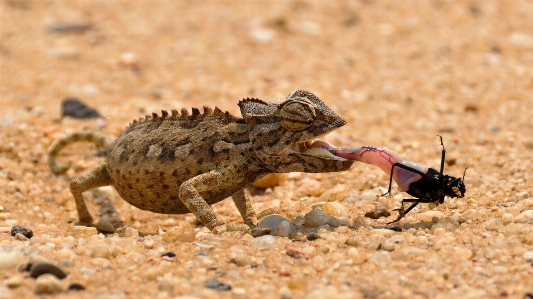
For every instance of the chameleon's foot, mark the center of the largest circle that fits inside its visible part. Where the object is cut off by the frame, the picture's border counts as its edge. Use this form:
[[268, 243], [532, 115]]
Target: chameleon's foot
[[238, 227], [268, 212], [219, 229]]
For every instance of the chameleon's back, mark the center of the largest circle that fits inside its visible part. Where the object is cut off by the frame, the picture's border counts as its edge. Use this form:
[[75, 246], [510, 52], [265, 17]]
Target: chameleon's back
[[152, 157]]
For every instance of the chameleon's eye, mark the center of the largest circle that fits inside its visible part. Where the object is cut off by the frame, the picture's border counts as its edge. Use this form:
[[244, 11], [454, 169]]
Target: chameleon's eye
[[297, 115]]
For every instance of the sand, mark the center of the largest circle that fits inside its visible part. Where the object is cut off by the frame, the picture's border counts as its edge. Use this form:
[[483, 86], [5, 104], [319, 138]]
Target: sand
[[399, 72]]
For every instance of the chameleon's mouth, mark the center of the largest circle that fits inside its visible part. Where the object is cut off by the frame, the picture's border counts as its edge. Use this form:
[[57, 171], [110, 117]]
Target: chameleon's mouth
[[317, 148]]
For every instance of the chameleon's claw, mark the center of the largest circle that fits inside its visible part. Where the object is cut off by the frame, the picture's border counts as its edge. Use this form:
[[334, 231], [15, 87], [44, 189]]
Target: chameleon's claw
[[219, 229]]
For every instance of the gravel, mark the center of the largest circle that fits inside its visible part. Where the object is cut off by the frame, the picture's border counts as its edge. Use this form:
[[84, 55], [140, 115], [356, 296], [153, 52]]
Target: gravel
[[399, 75]]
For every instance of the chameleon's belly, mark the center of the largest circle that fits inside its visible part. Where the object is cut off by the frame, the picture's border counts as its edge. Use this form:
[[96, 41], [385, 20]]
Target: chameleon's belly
[[158, 190]]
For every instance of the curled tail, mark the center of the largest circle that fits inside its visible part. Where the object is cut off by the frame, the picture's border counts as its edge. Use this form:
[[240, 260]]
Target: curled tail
[[98, 139]]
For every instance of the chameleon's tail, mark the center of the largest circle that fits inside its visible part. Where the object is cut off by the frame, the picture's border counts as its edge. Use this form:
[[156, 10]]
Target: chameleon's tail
[[98, 139]]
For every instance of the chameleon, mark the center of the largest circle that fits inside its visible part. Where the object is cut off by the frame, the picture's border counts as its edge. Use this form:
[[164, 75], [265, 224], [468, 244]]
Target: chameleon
[[181, 162]]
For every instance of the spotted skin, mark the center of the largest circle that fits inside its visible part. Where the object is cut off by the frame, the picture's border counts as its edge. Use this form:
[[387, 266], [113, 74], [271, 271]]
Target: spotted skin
[[182, 162]]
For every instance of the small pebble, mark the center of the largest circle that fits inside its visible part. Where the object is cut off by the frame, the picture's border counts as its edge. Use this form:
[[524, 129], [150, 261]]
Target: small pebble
[[273, 221], [313, 236], [10, 259], [76, 287], [14, 281], [73, 107], [492, 224], [264, 242], [336, 194], [296, 253], [528, 256], [356, 257], [21, 230], [149, 244], [168, 254], [316, 218], [47, 284], [335, 209], [283, 230], [103, 251], [214, 284], [69, 27], [42, 268], [377, 213], [105, 227], [180, 233]]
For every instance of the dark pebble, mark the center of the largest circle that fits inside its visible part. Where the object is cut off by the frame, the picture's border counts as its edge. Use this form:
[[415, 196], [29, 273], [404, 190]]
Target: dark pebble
[[39, 269], [73, 107], [260, 231], [168, 254], [69, 28], [76, 287], [214, 284], [25, 267], [21, 230], [313, 236]]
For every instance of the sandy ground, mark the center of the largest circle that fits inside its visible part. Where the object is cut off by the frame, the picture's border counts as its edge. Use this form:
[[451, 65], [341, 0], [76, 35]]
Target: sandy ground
[[400, 72]]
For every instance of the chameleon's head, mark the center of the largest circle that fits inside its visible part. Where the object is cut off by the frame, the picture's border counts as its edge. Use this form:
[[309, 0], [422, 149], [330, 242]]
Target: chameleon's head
[[284, 135]]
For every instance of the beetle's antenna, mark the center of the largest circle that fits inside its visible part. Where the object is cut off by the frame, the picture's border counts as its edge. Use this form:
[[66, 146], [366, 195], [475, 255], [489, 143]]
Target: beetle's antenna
[[464, 173], [442, 157]]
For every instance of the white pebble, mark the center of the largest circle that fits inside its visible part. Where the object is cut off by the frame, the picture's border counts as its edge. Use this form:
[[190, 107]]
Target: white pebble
[[507, 218], [356, 256], [334, 209], [492, 224], [528, 256], [264, 242], [10, 258], [521, 218], [368, 196], [102, 251]]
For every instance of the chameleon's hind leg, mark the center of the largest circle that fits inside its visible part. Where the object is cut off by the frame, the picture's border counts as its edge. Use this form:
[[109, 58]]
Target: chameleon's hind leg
[[96, 177], [241, 199]]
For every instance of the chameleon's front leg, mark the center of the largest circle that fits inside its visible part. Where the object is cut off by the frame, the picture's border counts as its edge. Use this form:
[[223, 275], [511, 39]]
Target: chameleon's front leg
[[189, 194]]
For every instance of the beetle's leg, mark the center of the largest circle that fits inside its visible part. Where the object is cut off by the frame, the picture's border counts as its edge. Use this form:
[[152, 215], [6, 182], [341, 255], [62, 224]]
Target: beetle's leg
[[396, 164]]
